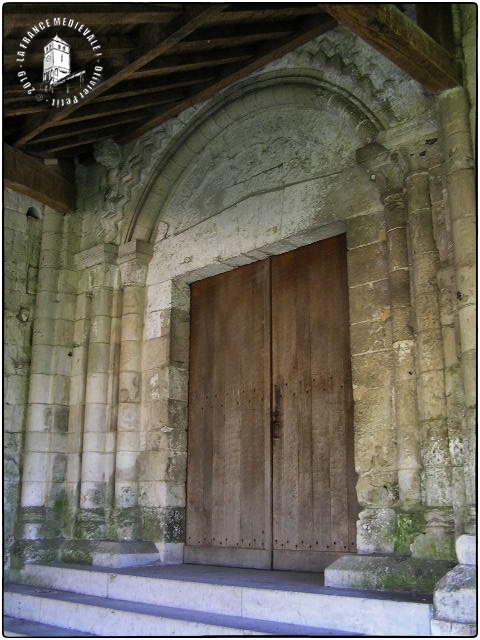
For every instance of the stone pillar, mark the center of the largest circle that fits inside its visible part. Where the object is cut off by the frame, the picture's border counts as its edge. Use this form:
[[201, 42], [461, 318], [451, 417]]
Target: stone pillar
[[437, 541], [387, 171], [372, 378], [47, 417], [162, 466], [98, 437], [133, 260], [458, 154]]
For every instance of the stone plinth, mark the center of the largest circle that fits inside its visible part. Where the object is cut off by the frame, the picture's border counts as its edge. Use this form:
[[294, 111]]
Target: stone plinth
[[455, 596], [386, 573]]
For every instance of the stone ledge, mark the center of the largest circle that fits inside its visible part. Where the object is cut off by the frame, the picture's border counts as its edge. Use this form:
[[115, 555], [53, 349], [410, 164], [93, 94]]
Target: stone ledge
[[444, 628], [386, 573]]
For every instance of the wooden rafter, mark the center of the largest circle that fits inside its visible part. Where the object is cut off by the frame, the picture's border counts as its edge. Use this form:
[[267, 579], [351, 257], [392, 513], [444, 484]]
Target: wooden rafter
[[161, 58], [315, 27], [391, 33], [197, 16]]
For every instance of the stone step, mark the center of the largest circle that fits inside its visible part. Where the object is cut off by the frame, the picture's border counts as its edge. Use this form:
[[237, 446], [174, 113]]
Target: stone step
[[272, 596], [20, 628], [93, 615]]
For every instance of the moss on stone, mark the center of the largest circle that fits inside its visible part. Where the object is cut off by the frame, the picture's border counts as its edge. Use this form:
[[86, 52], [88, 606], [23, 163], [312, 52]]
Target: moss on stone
[[76, 557], [408, 526]]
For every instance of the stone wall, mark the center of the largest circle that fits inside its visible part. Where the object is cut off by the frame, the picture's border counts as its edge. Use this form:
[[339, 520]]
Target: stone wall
[[22, 230]]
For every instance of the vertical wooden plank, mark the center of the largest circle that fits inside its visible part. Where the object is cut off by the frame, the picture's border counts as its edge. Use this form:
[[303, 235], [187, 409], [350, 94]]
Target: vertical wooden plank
[[199, 486], [314, 482], [322, 517], [231, 373]]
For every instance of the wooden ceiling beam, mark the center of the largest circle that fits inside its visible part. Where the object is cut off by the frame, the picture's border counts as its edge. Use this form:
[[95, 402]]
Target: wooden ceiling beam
[[27, 175], [391, 33], [133, 89], [177, 65], [89, 126], [266, 14], [23, 20], [192, 18], [310, 28]]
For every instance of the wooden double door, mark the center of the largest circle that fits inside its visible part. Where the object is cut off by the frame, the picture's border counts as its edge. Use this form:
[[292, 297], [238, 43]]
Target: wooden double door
[[270, 480]]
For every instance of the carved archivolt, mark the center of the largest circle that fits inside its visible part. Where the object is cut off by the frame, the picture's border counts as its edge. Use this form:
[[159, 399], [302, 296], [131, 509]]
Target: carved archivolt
[[338, 63]]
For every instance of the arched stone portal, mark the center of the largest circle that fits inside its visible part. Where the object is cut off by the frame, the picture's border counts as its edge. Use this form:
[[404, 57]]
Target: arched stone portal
[[272, 169]]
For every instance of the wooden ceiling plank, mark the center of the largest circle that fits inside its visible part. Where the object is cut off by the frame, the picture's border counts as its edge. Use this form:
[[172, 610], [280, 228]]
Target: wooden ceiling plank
[[311, 28], [79, 130], [17, 20], [188, 66], [114, 109], [211, 44], [266, 14], [132, 89], [27, 175], [196, 16], [391, 33]]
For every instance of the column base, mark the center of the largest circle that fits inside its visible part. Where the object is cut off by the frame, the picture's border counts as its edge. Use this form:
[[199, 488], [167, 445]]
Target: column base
[[101, 553], [386, 573]]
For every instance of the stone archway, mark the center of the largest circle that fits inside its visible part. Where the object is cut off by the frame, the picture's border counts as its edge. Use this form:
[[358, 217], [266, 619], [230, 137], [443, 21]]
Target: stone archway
[[271, 171]]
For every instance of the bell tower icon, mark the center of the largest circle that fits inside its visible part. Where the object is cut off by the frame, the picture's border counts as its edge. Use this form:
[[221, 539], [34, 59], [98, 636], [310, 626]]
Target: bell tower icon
[[56, 60]]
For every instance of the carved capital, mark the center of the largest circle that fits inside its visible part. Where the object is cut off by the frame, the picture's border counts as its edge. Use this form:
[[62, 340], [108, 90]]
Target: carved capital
[[103, 253], [385, 168], [133, 259]]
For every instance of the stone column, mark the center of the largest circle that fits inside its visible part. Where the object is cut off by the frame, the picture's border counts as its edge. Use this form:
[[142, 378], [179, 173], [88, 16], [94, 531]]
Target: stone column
[[133, 260], [437, 541], [459, 164], [162, 466], [98, 439], [387, 171], [47, 417]]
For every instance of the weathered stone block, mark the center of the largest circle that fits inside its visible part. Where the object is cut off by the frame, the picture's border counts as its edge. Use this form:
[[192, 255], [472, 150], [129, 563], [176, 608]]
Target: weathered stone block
[[129, 386], [444, 628], [365, 230], [98, 357], [156, 353], [130, 355], [431, 395], [378, 490], [373, 412], [368, 301], [385, 574], [97, 385], [367, 264], [95, 417], [157, 324], [370, 336], [429, 350], [376, 531], [161, 494], [126, 492], [466, 550], [100, 329], [372, 370], [156, 385], [129, 416], [455, 596], [178, 388], [132, 327], [152, 465]]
